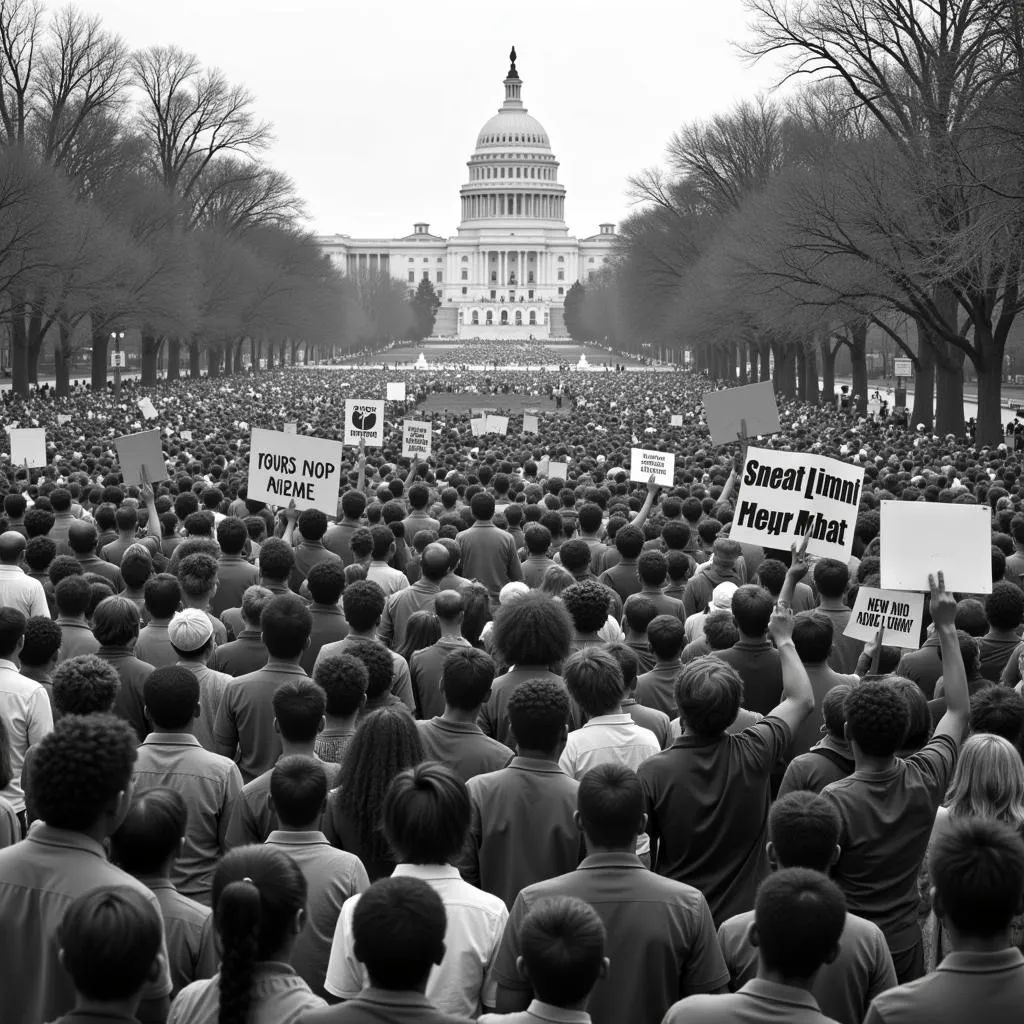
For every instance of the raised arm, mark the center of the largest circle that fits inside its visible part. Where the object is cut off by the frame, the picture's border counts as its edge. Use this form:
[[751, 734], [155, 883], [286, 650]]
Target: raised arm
[[652, 491], [797, 695], [795, 573], [954, 675], [149, 498]]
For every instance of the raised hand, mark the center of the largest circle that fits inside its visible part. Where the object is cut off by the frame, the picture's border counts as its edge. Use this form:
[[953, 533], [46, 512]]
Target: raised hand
[[146, 488], [291, 513], [780, 628], [943, 603], [798, 566]]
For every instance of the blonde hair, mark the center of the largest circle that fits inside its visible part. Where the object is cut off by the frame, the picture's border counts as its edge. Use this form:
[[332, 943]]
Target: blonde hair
[[988, 781]]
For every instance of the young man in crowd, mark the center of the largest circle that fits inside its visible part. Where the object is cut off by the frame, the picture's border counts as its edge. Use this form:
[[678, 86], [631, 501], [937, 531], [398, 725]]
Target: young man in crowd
[[247, 652], [72, 599], [234, 573], [115, 624], [426, 665], [656, 688], [755, 659], [830, 759], [162, 599], [647, 718], [325, 584], [191, 637], [344, 680]]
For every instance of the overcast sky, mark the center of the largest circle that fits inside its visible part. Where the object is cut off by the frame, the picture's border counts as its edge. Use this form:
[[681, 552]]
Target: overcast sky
[[377, 104]]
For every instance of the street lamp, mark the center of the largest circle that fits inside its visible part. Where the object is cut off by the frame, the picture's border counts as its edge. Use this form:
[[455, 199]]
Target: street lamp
[[117, 337]]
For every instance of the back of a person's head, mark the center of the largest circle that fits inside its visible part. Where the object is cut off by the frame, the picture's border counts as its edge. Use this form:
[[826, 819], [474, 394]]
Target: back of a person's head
[[799, 915], [40, 553], [536, 630], [610, 802], [81, 770], [197, 574], [363, 604], [812, 637], [594, 680], [298, 791], [448, 606], [84, 685], [1004, 607], [752, 608], [353, 504], [136, 566], [398, 931], [380, 666], [326, 582], [299, 707], [666, 637], [466, 678], [977, 871], [115, 622], [60, 499], [833, 711], [629, 663], [42, 641], [877, 717], [971, 617], [538, 539], [639, 612], [171, 694], [254, 600], [720, 631], [482, 506], [426, 814], [276, 560], [652, 567], [151, 832], [199, 524], [162, 595], [286, 624], [803, 830], [61, 568], [998, 710], [383, 538], [12, 629], [109, 940], [538, 711], [988, 781], [232, 535], [562, 942], [587, 603], [629, 541], [708, 695], [831, 578], [771, 574], [344, 680], [312, 524]]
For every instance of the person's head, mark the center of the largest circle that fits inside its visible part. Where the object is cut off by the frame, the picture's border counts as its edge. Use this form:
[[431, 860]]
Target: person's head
[[276, 561], [831, 578], [285, 626], [254, 600], [383, 542], [971, 617], [12, 631], [752, 608], [977, 873], [919, 729], [803, 832], [298, 791], [666, 637], [482, 506], [232, 535], [84, 685], [40, 553], [610, 807], [39, 522], [136, 566], [353, 504], [162, 596], [299, 706], [988, 781], [629, 541], [639, 612], [812, 637], [259, 910], [326, 582], [720, 631], [799, 915], [344, 680], [197, 575], [42, 643], [708, 696], [535, 630], [833, 711], [538, 539], [422, 629], [466, 677], [998, 710], [398, 930], [426, 814], [629, 663], [72, 596], [449, 608], [363, 604], [435, 562], [82, 773], [190, 633], [587, 603], [594, 680], [380, 666], [312, 524], [115, 622], [652, 568], [1004, 607], [877, 718], [149, 839], [538, 711], [109, 942], [171, 694], [562, 942], [12, 546], [60, 499]]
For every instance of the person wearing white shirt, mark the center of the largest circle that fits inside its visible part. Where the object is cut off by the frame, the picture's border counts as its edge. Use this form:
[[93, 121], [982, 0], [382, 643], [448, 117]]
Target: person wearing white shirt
[[24, 706], [426, 820], [18, 589]]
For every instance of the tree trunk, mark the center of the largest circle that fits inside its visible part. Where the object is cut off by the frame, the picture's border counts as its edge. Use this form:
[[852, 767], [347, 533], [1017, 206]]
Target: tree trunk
[[193, 359], [238, 355], [753, 362], [62, 361], [811, 355], [924, 379], [295, 353], [281, 361], [254, 355], [174, 358], [35, 344], [859, 367], [828, 370], [213, 353], [149, 349], [949, 392], [229, 358], [989, 428], [801, 373], [100, 340], [785, 364], [765, 348]]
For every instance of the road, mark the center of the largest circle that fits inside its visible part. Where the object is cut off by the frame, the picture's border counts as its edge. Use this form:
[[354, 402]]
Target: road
[[970, 403]]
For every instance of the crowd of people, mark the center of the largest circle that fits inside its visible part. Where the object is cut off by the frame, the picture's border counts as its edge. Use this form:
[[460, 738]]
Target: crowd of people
[[489, 745]]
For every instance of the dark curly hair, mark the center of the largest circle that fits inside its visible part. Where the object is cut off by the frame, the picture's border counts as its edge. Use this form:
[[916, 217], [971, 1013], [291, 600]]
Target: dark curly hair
[[386, 743], [42, 641], [85, 685], [538, 711], [877, 717], [587, 602], [1004, 607], [535, 630], [80, 767], [197, 575], [376, 658]]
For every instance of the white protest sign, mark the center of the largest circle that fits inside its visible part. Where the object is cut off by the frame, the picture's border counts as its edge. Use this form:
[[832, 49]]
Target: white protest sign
[[263, 364], [137, 450], [752, 404], [899, 612], [291, 428], [186, 435], [903, 367], [28, 445], [542, 466], [285, 466], [785, 495], [416, 438], [675, 421], [62, 418], [558, 471], [364, 422], [922, 537], [497, 424], [874, 406], [118, 360], [148, 409], [531, 424], [396, 391], [644, 463], [478, 425]]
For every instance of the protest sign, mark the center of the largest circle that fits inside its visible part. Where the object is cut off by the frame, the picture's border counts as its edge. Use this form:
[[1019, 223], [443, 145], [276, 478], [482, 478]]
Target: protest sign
[[542, 466], [531, 424], [364, 422], [284, 466], [118, 360], [785, 495], [416, 438], [481, 412], [147, 408], [643, 464], [558, 470], [28, 447], [478, 425], [497, 424], [396, 391], [899, 612], [137, 450], [62, 418], [922, 537], [186, 435], [903, 367], [675, 421], [726, 411], [291, 428]]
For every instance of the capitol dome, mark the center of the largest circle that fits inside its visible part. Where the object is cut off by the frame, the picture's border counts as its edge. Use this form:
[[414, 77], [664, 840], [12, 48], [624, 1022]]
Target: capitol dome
[[513, 127]]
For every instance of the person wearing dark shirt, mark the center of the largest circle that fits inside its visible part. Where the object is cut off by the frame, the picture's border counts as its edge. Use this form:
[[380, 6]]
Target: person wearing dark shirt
[[310, 550], [72, 596], [648, 718], [1004, 609], [234, 573], [638, 614], [115, 623], [656, 689], [537, 563], [723, 568], [338, 537], [624, 578], [489, 554], [756, 662], [247, 652], [830, 759], [708, 794], [426, 664], [325, 583], [832, 580]]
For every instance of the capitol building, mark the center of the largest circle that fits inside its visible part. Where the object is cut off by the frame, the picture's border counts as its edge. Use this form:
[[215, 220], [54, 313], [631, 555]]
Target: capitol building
[[507, 270]]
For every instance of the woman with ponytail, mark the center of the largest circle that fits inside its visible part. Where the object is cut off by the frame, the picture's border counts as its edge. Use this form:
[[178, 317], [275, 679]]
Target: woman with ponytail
[[259, 899]]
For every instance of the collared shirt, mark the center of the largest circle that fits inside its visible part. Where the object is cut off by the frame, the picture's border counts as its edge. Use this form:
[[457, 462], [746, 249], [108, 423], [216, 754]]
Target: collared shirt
[[75, 638], [211, 693], [154, 646], [401, 681], [758, 1002], [649, 718], [278, 996], [91, 563], [245, 718], [309, 553], [130, 703], [191, 947], [19, 590], [401, 606], [209, 784], [425, 668], [823, 678], [338, 538], [463, 747], [332, 876], [329, 626], [844, 988], [657, 688], [332, 744], [25, 709], [490, 556], [614, 738], [538, 1013], [528, 798], [661, 940], [760, 667], [623, 578], [378, 1006], [234, 576], [965, 986], [826, 762], [389, 580], [241, 656], [39, 878], [494, 718], [924, 666], [459, 984]]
